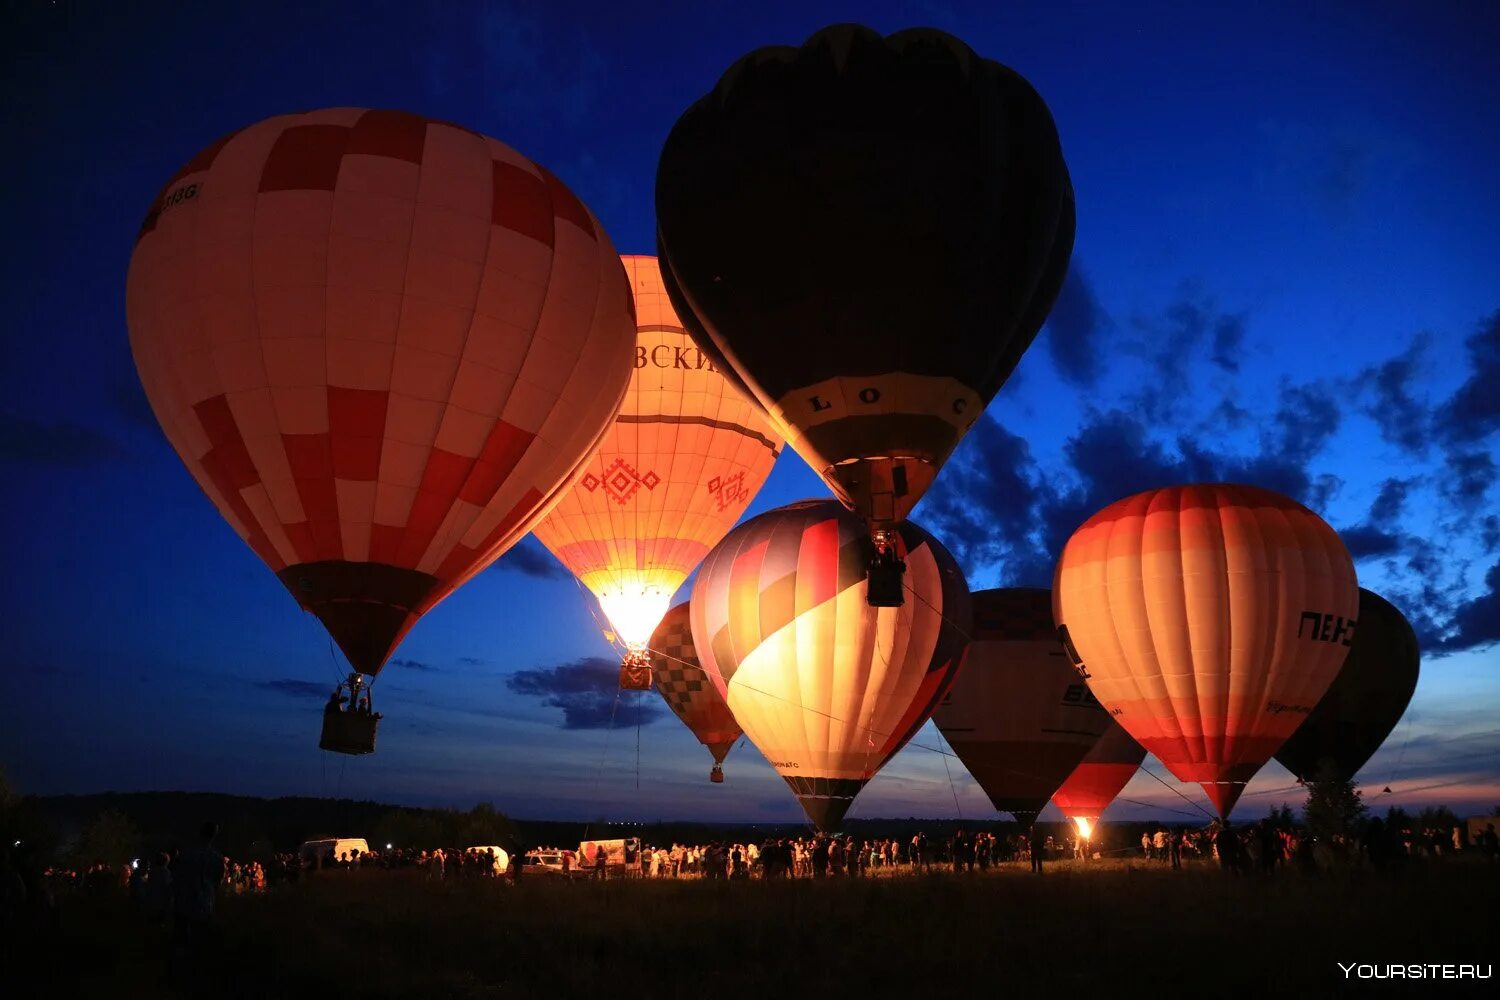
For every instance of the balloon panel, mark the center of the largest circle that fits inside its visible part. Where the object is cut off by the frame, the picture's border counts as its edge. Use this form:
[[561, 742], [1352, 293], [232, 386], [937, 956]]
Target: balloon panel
[[1209, 620], [827, 687], [380, 343], [1101, 775], [1019, 716], [1365, 701], [682, 461], [869, 232], [686, 688]]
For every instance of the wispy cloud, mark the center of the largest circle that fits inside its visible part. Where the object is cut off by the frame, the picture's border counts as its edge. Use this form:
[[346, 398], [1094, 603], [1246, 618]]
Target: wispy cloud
[[588, 693]]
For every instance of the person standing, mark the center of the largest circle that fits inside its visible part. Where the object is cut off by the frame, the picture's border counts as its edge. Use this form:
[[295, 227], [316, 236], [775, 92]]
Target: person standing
[[1038, 848], [196, 875]]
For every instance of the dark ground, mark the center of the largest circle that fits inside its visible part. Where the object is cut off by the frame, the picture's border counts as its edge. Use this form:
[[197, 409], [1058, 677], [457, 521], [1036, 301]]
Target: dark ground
[[1117, 929]]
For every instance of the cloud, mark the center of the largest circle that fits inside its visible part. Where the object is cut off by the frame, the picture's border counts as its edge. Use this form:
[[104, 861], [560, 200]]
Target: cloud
[[985, 509], [1229, 337], [588, 692], [1473, 412], [1365, 541], [1171, 342], [472, 661], [1342, 174], [531, 558], [1073, 330], [1378, 536], [1476, 622], [1467, 477], [414, 665], [129, 401], [295, 688], [996, 507], [1403, 419], [1386, 509], [60, 443]]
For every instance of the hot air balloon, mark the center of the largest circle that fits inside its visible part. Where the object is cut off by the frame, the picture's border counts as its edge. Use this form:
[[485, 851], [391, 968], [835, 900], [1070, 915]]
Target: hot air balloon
[[1098, 778], [826, 686], [687, 689], [382, 345], [684, 458], [1019, 716], [868, 232], [1365, 700], [1209, 620]]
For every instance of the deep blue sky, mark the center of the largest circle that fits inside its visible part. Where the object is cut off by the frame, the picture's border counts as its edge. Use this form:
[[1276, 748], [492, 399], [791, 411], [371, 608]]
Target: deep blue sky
[[1286, 272]]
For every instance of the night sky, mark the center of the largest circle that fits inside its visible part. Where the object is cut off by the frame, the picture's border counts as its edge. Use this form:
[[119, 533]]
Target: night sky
[[1286, 273]]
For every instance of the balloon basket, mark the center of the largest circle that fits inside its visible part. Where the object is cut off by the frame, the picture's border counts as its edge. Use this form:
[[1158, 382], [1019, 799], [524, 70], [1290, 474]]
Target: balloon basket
[[349, 732], [635, 673], [716, 775], [884, 584]]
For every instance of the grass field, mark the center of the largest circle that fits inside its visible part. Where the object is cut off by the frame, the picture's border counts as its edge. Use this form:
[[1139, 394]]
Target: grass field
[[1111, 928]]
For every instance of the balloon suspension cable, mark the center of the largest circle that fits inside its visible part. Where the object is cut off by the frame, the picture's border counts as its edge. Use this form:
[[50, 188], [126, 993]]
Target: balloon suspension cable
[[603, 756], [338, 668], [1401, 756], [951, 786], [1178, 793], [606, 632], [638, 711]]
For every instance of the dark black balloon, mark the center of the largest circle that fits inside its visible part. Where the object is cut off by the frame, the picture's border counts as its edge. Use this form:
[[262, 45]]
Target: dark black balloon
[[868, 232], [1365, 701]]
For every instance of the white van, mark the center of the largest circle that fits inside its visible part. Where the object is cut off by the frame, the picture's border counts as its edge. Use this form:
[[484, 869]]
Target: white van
[[502, 860], [316, 851]]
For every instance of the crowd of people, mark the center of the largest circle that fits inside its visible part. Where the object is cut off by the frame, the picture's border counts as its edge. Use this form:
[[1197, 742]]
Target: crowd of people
[[823, 856]]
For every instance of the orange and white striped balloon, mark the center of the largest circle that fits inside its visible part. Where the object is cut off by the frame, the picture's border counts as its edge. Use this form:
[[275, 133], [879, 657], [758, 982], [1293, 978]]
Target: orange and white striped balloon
[[674, 473], [1209, 620], [381, 344]]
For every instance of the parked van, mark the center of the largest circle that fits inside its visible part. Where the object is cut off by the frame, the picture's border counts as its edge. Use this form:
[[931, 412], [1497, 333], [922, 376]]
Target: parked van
[[343, 848], [502, 860]]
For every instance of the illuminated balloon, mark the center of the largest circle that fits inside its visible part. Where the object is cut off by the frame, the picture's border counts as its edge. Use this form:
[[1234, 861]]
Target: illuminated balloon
[[679, 466], [1365, 701], [1019, 716], [869, 232], [827, 687], [1099, 777], [382, 344], [687, 689], [1209, 620]]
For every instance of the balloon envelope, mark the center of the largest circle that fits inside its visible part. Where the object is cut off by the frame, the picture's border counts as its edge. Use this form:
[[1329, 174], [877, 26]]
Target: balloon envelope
[[869, 232], [1019, 716], [827, 687], [381, 344], [1365, 700], [1209, 620], [1104, 771], [682, 461], [687, 689]]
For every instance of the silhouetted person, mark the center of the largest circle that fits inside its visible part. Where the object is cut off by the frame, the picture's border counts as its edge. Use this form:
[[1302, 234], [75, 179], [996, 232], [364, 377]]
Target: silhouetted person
[[196, 875], [1227, 843], [1174, 845], [335, 702], [1038, 845]]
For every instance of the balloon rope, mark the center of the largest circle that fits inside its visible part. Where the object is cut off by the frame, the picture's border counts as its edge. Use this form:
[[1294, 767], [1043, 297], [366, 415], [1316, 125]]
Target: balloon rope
[[638, 713], [951, 787], [592, 603], [1401, 757], [1153, 805], [1177, 793], [338, 671], [603, 756]]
